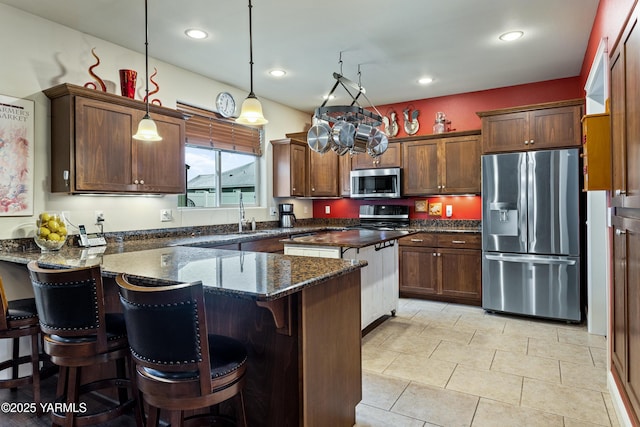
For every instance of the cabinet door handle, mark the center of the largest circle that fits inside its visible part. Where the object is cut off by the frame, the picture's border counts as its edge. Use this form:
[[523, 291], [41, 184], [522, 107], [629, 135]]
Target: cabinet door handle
[[439, 254], [621, 192], [135, 181], [142, 181], [620, 232], [434, 254], [526, 143], [531, 142], [313, 189], [459, 242], [417, 240]]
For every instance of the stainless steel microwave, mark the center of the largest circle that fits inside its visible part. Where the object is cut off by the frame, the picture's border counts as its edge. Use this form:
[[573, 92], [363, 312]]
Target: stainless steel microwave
[[376, 183]]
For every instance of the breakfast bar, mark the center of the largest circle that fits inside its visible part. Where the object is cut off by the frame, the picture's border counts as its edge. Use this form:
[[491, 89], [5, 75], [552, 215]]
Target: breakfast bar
[[298, 317]]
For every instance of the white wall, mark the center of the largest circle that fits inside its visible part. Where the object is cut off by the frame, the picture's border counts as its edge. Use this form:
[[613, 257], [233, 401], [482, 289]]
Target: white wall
[[43, 54]]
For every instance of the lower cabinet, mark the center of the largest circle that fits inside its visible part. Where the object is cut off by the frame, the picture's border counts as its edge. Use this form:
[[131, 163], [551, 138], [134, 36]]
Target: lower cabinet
[[441, 266], [625, 310], [379, 279]]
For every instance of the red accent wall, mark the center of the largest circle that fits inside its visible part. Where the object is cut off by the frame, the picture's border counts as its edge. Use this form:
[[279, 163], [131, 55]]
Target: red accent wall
[[464, 207], [461, 110]]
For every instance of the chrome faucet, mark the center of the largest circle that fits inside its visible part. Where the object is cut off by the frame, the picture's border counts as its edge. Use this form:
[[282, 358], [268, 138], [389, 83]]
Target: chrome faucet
[[243, 221]]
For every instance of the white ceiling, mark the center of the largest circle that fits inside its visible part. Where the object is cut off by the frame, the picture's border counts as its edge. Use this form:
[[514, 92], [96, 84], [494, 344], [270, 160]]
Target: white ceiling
[[396, 42]]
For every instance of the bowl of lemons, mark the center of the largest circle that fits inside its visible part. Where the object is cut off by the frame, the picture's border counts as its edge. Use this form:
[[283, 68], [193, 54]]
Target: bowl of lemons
[[51, 232]]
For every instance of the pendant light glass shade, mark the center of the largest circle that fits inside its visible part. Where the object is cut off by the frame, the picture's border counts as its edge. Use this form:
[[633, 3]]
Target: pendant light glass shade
[[251, 111], [147, 129]]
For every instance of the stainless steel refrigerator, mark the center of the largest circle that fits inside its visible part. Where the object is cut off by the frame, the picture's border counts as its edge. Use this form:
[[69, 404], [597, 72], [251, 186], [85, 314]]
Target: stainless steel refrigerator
[[531, 234]]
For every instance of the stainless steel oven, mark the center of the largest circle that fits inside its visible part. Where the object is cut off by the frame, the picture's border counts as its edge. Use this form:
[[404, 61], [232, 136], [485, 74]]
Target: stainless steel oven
[[376, 183]]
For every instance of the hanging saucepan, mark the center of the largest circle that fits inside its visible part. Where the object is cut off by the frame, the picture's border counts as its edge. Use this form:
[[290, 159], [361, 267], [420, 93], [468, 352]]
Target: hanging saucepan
[[319, 137], [343, 135], [363, 134], [378, 143]]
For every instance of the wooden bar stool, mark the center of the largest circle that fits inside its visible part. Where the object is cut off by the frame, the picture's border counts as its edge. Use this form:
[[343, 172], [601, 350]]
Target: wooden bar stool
[[180, 367], [19, 318], [79, 334]]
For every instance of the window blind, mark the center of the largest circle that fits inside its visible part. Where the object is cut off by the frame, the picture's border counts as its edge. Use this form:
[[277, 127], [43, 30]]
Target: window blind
[[206, 128]]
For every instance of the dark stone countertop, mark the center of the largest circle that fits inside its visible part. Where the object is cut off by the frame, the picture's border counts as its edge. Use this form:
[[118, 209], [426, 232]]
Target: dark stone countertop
[[346, 238]]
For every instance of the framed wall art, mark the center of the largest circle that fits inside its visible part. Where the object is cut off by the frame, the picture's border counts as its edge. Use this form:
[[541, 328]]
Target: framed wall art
[[16, 156]]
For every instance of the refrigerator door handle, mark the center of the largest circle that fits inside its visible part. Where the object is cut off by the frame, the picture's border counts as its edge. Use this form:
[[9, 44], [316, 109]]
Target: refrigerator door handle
[[530, 259]]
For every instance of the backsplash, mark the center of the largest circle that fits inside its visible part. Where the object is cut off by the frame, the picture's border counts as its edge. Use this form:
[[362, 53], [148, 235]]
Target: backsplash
[[464, 207]]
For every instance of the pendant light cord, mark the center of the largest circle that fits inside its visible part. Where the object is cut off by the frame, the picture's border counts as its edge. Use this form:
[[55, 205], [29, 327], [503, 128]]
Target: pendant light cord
[[251, 94], [146, 56]]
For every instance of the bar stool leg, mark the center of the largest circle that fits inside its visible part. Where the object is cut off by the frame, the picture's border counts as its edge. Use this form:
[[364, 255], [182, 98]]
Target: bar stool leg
[[35, 374], [16, 355]]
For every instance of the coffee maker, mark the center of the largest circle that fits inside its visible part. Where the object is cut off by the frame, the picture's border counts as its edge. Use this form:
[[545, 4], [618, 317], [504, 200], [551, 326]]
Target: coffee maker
[[287, 217]]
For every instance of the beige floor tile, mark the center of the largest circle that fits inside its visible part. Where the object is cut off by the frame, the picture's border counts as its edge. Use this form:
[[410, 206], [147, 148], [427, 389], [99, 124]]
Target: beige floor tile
[[613, 416], [541, 368], [368, 416], [583, 376], [481, 322], [513, 343], [531, 329], [570, 422], [410, 344], [437, 406], [381, 391], [432, 318], [467, 355], [599, 357], [580, 336], [462, 309], [458, 335], [417, 304], [577, 403], [421, 369], [490, 384], [377, 360], [398, 326], [497, 414], [555, 350]]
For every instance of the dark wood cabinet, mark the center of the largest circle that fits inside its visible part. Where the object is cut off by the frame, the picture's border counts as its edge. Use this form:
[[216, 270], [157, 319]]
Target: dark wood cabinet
[[299, 171], [93, 151], [344, 165], [289, 168], [391, 158], [324, 177], [532, 127], [441, 266], [625, 121], [625, 199], [442, 164]]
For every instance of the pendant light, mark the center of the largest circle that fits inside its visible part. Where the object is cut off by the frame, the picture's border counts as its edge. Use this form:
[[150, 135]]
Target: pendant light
[[251, 111], [147, 130]]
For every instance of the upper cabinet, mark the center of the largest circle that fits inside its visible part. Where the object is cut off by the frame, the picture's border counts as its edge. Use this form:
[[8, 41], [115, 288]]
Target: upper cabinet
[[442, 164], [289, 168], [93, 151], [323, 174], [533, 127], [391, 158]]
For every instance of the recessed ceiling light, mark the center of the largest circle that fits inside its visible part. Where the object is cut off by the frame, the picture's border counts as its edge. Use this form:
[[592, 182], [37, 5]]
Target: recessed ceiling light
[[278, 73], [194, 33], [511, 36], [425, 80]]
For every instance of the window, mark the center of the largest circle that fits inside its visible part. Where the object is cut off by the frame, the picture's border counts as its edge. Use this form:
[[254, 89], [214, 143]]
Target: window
[[221, 160]]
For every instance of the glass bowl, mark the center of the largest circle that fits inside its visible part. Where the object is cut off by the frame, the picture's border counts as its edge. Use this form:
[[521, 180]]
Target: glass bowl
[[51, 231]]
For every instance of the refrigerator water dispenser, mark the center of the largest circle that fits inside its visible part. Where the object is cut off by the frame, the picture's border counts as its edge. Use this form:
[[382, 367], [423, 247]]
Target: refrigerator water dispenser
[[503, 219]]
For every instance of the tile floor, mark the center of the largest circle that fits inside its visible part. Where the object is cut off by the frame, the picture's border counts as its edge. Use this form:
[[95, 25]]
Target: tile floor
[[439, 364]]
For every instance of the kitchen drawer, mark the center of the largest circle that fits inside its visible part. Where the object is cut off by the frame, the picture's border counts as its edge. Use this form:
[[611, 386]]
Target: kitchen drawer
[[460, 240], [419, 239]]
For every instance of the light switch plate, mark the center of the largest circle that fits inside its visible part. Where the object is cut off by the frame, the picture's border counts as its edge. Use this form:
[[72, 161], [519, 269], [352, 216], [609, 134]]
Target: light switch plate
[[327, 209], [448, 211]]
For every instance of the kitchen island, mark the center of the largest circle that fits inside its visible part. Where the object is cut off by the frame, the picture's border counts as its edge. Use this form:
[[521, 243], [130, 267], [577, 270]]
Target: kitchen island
[[299, 318], [379, 279]]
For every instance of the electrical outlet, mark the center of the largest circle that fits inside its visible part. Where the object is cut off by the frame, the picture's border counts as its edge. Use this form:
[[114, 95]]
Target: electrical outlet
[[166, 215], [99, 216], [327, 209], [448, 210], [273, 211], [305, 209]]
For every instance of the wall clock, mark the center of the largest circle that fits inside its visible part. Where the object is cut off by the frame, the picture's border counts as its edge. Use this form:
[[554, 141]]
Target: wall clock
[[225, 104]]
